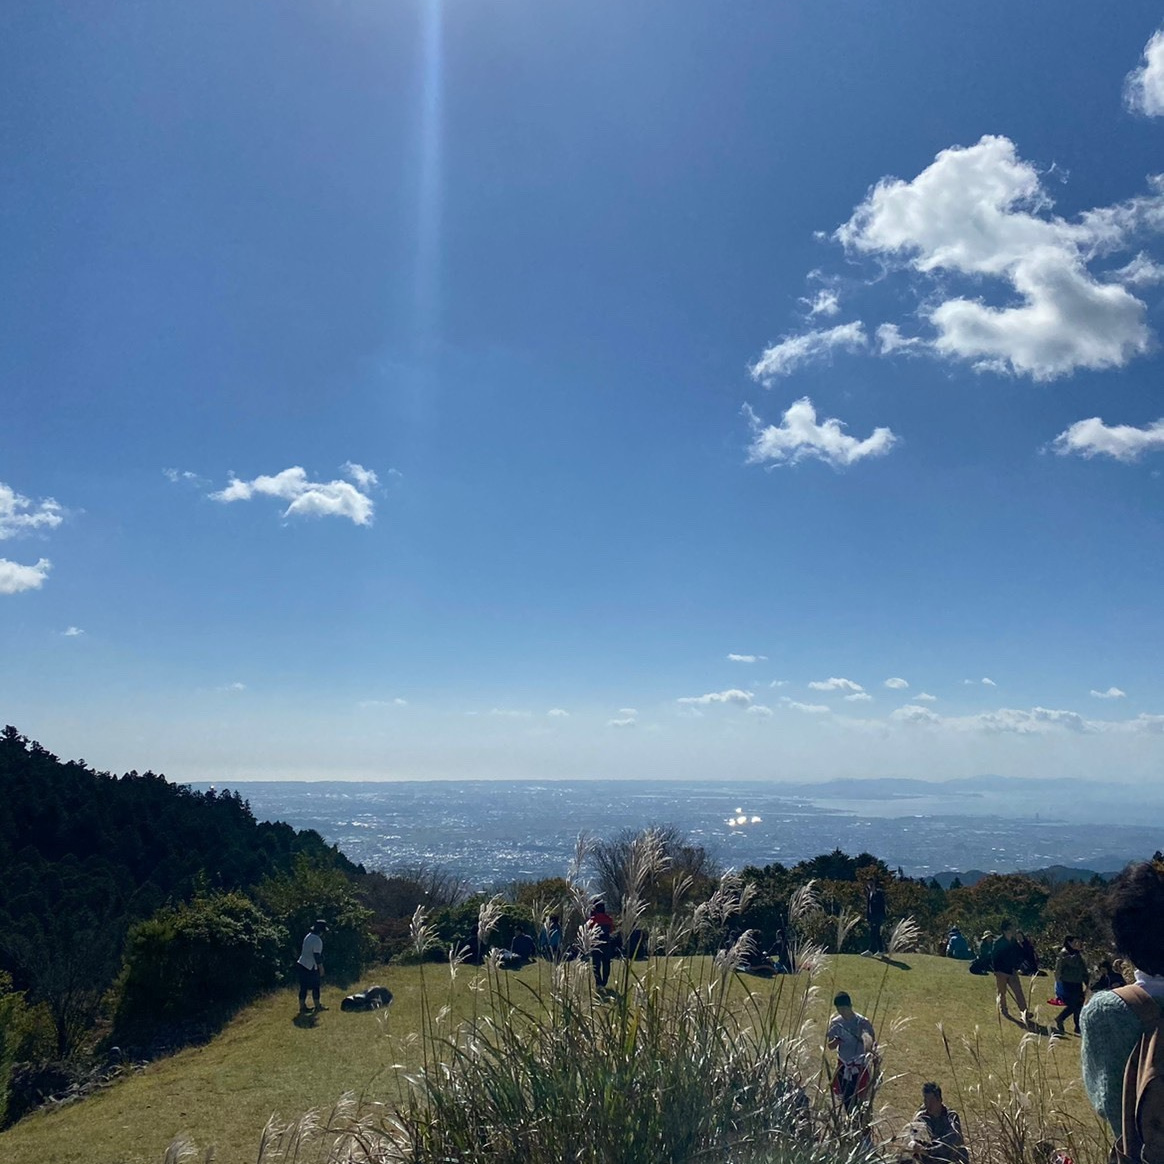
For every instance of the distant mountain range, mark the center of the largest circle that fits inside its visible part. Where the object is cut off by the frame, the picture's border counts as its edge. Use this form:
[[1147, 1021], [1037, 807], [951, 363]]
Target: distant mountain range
[[900, 787], [1056, 874]]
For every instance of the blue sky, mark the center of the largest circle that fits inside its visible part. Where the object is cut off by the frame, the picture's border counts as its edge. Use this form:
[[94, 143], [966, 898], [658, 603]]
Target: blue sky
[[451, 390]]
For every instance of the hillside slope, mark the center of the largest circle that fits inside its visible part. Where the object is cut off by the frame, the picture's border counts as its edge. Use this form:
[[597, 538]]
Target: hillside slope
[[269, 1062]]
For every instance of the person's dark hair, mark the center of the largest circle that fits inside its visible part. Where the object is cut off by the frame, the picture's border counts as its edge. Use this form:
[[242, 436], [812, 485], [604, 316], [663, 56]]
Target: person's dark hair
[[842, 999], [931, 1089], [1106, 965], [1070, 939], [320, 924], [1005, 927], [599, 907], [1135, 904]]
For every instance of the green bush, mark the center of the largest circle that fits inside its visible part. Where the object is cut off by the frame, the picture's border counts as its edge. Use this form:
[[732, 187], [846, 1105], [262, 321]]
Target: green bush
[[204, 959], [26, 1032], [295, 900]]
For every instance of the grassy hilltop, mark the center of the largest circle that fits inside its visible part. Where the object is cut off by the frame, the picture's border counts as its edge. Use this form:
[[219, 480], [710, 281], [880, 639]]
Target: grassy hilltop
[[267, 1062]]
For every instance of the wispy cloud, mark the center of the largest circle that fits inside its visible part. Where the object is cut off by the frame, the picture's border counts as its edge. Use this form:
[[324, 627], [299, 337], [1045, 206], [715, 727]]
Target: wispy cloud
[[365, 479], [21, 515], [370, 703], [72, 632], [799, 437], [859, 697], [747, 658], [558, 713], [307, 498], [807, 708], [783, 358], [624, 721], [979, 682], [896, 684], [759, 710]]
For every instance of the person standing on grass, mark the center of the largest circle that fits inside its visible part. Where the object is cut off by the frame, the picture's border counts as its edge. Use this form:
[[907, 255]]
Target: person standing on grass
[[1070, 980], [1006, 957], [603, 923], [1113, 1021], [874, 917], [852, 1037], [310, 965]]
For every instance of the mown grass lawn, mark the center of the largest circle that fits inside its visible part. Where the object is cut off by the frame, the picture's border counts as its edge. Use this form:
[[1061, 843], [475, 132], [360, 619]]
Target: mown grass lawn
[[268, 1063]]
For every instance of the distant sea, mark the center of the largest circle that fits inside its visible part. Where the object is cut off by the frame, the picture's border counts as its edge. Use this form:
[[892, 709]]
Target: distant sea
[[493, 832]]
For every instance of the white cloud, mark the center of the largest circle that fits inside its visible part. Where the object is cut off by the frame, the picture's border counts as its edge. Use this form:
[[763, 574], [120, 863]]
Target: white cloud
[[365, 479], [1091, 438], [307, 498], [631, 711], [913, 713], [732, 695], [982, 212], [979, 682], [759, 710], [747, 658], [807, 708], [21, 515], [859, 697], [778, 683], [890, 340], [835, 685], [799, 437], [174, 476], [397, 702], [233, 687], [896, 684], [988, 683], [925, 697], [15, 578], [1140, 272], [558, 713], [1110, 693], [1144, 86], [783, 358], [72, 632], [627, 721], [825, 302]]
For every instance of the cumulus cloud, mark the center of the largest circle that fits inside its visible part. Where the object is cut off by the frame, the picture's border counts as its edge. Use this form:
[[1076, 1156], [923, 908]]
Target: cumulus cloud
[[626, 721], [72, 632], [760, 711], [783, 358], [747, 658], [988, 683], [896, 684], [732, 695], [15, 578], [1006, 720], [925, 697], [1110, 693], [913, 713], [1092, 438], [835, 685], [1144, 86], [981, 212], [558, 713], [21, 515], [800, 437], [859, 697], [307, 498]]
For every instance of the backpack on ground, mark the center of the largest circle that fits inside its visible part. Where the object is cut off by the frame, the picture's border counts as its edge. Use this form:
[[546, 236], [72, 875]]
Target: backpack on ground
[[1142, 1141]]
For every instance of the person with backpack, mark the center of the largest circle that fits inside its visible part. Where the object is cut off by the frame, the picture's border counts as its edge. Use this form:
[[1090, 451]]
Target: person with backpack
[[1070, 983], [1123, 1045], [1006, 957]]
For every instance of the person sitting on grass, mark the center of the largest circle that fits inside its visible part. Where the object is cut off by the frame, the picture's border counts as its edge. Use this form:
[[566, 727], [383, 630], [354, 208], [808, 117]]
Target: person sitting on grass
[[1110, 1024], [1109, 977], [852, 1037], [936, 1131], [1006, 957]]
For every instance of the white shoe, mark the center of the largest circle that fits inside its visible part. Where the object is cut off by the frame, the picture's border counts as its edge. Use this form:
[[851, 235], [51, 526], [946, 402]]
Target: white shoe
[[866, 953]]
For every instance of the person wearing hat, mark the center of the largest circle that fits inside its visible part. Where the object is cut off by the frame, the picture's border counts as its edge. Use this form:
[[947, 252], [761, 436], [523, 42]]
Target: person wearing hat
[[310, 965], [851, 1035]]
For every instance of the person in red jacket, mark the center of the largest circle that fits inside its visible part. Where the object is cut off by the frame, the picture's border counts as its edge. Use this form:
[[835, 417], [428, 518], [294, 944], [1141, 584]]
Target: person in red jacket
[[600, 955]]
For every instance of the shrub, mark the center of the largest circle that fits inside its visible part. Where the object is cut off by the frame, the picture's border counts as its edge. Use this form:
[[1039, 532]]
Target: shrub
[[25, 1033], [201, 959]]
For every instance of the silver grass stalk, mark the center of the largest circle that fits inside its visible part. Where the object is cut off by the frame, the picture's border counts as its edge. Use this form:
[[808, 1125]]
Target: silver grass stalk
[[904, 936]]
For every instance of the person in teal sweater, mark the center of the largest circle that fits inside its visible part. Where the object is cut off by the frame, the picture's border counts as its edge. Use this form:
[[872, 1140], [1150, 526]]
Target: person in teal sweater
[[1110, 1027]]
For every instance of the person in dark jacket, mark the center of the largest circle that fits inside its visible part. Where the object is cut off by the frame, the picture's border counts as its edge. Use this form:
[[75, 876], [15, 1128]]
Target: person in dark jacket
[[875, 909], [1070, 981], [1030, 960], [603, 923], [1006, 957], [1109, 977]]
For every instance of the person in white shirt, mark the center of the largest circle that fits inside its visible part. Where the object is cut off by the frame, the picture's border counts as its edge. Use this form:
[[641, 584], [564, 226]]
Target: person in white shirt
[[851, 1035], [310, 965]]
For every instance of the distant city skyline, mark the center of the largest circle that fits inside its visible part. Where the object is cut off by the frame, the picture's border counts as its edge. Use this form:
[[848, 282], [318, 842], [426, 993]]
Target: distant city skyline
[[437, 391]]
